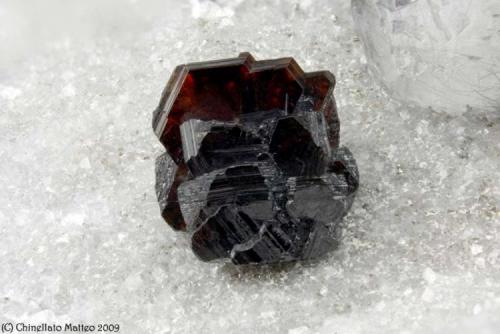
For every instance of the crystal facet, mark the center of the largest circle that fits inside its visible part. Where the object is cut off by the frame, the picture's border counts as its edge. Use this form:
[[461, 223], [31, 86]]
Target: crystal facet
[[255, 174]]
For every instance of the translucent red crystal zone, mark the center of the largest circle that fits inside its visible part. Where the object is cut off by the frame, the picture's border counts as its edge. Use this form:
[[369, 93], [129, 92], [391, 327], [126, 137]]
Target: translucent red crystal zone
[[223, 90]]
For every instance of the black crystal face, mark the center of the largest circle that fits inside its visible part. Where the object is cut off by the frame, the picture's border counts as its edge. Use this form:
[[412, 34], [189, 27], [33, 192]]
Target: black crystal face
[[263, 181]]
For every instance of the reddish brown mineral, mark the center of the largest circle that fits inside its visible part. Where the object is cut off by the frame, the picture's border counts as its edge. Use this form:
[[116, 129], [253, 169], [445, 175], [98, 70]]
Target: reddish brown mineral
[[255, 174], [223, 90]]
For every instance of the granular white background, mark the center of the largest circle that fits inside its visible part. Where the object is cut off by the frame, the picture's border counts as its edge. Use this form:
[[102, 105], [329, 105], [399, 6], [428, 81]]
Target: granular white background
[[82, 239]]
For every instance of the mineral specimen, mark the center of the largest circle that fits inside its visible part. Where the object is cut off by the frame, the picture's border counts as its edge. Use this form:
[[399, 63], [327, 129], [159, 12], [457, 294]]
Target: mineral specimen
[[442, 54], [255, 173]]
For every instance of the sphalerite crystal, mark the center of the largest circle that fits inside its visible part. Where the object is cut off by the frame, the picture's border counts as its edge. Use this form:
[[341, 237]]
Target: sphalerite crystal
[[253, 171]]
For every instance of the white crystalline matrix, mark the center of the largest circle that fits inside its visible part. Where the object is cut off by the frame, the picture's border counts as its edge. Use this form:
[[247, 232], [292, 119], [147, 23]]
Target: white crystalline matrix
[[443, 54]]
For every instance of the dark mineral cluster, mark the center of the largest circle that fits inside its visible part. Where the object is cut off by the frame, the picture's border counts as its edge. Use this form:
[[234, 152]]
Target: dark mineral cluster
[[253, 171]]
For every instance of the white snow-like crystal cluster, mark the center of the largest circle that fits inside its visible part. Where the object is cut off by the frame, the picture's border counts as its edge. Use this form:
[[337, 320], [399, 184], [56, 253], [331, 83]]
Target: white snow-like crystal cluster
[[82, 239], [434, 53]]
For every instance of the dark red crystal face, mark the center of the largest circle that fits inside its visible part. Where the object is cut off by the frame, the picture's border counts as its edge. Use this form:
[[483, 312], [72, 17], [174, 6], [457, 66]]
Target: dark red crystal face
[[224, 90], [255, 173]]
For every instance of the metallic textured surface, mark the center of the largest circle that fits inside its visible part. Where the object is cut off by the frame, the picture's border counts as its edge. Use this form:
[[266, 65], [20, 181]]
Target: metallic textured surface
[[256, 174]]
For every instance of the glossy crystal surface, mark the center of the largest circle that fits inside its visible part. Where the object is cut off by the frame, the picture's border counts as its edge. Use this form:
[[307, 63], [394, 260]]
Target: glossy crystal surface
[[259, 176]]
